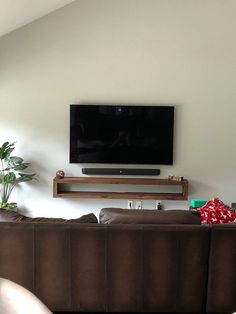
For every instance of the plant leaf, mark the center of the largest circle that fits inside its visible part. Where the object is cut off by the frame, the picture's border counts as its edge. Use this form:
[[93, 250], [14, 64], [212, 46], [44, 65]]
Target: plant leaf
[[23, 177], [17, 163], [9, 178], [9, 173], [8, 205], [6, 150]]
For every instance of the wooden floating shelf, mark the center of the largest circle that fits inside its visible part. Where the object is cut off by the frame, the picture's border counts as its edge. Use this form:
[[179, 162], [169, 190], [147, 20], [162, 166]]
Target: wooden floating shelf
[[59, 189]]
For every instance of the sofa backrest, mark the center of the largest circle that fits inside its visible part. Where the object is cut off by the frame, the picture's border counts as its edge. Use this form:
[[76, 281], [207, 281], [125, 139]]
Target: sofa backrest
[[148, 216], [106, 268], [222, 269]]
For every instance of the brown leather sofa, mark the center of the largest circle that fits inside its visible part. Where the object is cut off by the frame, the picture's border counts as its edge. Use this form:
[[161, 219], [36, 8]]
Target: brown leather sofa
[[156, 267]]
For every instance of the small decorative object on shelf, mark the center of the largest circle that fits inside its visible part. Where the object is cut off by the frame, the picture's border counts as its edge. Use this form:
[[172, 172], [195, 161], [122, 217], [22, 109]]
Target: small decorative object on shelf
[[176, 178], [60, 174]]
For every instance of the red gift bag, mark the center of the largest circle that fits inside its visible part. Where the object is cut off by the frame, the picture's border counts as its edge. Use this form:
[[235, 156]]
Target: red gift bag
[[216, 212]]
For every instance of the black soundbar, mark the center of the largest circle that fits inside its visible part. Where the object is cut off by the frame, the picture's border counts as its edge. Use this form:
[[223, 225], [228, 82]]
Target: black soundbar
[[121, 171]]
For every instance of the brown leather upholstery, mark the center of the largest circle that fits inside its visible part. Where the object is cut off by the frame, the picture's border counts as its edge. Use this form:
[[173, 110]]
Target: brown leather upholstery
[[137, 216], [109, 268], [11, 215], [222, 269]]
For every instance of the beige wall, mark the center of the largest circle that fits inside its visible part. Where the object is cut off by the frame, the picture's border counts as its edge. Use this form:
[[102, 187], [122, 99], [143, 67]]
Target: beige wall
[[180, 52]]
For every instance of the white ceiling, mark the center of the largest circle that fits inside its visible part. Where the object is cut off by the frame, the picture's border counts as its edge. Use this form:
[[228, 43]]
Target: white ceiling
[[16, 13]]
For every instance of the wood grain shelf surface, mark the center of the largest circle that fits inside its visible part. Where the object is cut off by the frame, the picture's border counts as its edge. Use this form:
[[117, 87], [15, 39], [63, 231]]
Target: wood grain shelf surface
[[60, 190]]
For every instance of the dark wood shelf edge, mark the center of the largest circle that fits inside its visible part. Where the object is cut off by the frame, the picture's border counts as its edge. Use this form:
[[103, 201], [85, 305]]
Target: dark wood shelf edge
[[125, 195], [125, 181], [58, 191]]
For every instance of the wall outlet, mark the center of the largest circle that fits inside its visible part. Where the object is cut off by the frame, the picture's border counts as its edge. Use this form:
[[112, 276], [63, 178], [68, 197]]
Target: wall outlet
[[138, 205], [159, 205], [130, 204]]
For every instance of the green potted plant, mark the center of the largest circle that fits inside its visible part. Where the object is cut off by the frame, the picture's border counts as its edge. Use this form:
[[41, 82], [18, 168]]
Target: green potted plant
[[11, 174]]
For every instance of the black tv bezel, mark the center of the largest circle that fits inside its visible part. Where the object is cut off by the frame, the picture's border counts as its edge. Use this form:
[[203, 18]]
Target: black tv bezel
[[170, 162]]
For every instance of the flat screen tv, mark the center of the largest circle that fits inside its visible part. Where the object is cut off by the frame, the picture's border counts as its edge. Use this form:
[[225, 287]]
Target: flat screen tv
[[121, 134]]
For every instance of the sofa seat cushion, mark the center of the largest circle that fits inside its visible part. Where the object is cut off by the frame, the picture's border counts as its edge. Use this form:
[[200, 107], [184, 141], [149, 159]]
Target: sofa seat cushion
[[10, 215], [133, 216]]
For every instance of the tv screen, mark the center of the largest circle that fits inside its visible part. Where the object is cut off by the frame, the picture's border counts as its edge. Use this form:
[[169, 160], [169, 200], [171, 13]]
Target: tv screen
[[121, 134]]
